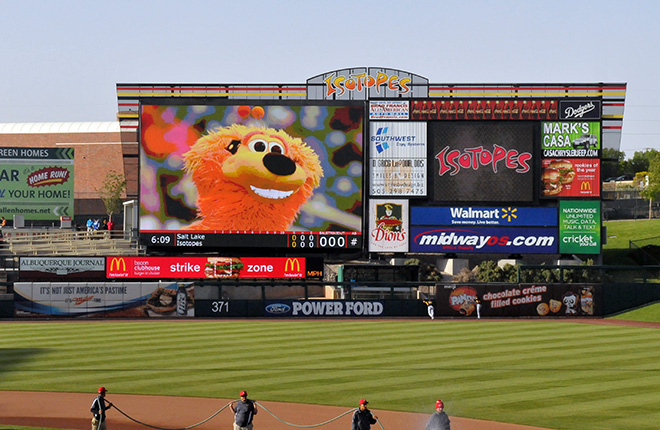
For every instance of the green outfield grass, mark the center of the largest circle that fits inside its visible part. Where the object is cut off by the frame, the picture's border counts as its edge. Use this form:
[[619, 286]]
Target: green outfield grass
[[619, 233], [650, 313], [545, 373]]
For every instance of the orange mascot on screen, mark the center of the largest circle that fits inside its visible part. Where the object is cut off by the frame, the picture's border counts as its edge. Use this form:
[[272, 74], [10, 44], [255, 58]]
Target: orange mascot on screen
[[251, 178]]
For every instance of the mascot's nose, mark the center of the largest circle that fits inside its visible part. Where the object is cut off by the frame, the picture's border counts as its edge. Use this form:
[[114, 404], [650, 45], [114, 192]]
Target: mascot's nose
[[279, 164]]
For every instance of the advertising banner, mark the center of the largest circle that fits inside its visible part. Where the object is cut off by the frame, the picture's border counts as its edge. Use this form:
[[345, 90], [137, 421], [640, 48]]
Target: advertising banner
[[389, 110], [388, 225], [397, 159], [205, 267], [571, 139], [483, 109], [576, 177], [36, 183], [497, 240], [520, 300], [33, 268], [579, 109], [104, 299], [579, 227], [482, 161], [260, 176], [323, 308], [482, 216]]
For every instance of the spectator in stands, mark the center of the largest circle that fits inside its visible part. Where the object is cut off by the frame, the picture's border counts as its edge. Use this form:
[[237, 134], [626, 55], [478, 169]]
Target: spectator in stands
[[111, 225], [90, 227], [3, 222]]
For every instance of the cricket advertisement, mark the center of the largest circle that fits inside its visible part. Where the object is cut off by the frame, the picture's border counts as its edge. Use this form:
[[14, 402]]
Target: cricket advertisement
[[579, 227], [263, 176], [520, 300], [36, 183]]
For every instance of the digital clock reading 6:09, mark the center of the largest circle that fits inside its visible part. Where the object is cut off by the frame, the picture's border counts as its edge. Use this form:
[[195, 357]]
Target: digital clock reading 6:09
[[161, 239]]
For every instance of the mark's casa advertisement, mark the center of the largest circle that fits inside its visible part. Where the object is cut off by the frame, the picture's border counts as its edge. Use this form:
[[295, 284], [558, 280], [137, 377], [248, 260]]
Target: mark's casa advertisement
[[526, 300], [579, 227], [388, 225], [575, 177], [469, 155], [571, 139], [205, 267], [497, 240]]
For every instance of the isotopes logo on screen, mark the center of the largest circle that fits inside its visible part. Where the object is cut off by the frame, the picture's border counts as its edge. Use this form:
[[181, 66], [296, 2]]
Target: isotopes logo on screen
[[473, 158]]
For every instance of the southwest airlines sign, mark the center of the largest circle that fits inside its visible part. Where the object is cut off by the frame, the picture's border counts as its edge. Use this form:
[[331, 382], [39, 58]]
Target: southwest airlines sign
[[205, 268]]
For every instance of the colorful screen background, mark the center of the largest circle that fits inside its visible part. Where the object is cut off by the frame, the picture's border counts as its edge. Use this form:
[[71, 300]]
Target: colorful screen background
[[168, 196]]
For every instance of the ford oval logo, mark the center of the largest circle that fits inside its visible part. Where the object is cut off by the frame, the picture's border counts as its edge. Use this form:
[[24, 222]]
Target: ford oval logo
[[278, 308]]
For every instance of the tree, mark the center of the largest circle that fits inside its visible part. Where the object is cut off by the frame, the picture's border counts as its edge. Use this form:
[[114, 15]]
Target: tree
[[640, 161], [613, 162], [111, 191], [651, 190]]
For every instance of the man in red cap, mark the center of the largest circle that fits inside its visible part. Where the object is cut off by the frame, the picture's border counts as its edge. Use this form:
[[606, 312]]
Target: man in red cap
[[99, 406], [362, 417], [244, 411], [439, 420]]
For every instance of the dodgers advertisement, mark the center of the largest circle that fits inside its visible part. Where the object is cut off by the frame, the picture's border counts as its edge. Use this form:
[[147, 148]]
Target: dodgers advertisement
[[488, 240]]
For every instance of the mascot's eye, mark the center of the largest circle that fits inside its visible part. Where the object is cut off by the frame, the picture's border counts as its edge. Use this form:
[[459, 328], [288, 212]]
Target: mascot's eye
[[276, 147], [258, 145]]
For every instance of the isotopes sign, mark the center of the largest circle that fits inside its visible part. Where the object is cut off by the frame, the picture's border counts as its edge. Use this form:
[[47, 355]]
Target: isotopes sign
[[203, 267]]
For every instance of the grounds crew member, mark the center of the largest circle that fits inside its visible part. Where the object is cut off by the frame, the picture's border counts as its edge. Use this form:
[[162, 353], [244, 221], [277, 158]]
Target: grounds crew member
[[363, 418], [439, 420], [99, 406], [244, 411]]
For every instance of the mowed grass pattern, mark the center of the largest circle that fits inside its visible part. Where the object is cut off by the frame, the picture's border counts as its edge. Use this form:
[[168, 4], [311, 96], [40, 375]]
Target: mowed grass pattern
[[544, 373]]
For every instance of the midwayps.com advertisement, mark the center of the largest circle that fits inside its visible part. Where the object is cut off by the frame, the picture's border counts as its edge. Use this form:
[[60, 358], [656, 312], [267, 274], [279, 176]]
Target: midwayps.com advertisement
[[37, 183], [499, 229], [579, 227], [520, 300], [104, 299], [468, 155], [267, 176]]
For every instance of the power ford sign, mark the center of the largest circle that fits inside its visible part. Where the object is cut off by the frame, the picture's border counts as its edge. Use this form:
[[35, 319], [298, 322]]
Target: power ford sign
[[496, 240], [323, 308], [484, 216]]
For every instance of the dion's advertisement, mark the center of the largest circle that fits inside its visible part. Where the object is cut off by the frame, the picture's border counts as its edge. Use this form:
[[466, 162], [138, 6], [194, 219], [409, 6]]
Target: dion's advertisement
[[575, 177], [526, 300]]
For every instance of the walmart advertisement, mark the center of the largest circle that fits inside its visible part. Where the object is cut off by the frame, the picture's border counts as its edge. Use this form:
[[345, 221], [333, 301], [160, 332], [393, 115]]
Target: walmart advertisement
[[36, 183], [267, 171]]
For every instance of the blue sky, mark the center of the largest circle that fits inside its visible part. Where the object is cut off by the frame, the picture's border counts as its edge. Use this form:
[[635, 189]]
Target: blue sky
[[62, 59]]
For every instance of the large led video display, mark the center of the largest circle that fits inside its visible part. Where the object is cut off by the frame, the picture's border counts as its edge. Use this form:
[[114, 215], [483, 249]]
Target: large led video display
[[239, 175], [481, 161]]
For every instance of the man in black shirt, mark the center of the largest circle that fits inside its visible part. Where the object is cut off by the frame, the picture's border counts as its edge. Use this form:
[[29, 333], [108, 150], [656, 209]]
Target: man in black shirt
[[99, 407], [363, 418], [244, 411]]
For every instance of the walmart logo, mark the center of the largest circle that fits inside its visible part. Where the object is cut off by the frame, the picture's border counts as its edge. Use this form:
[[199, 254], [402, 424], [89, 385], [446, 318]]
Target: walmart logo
[[509, 213]]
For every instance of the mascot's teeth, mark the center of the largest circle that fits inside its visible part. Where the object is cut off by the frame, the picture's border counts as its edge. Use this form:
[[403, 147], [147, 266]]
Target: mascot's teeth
[[270, 194]]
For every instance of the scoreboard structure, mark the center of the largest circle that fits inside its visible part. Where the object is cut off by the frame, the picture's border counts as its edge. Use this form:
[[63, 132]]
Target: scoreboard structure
[[372, 160]]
